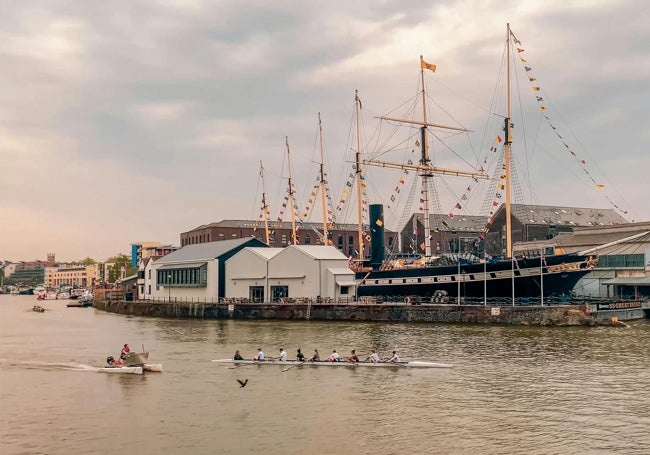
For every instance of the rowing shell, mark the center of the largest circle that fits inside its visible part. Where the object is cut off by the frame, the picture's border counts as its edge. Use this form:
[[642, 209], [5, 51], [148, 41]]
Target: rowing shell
[[412, 364]]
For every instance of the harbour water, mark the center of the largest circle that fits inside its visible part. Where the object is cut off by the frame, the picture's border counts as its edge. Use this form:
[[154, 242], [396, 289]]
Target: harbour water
[[512, 390]]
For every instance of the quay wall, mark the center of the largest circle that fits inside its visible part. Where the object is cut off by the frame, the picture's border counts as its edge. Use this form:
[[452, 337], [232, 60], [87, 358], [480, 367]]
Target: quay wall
[[554, 315]]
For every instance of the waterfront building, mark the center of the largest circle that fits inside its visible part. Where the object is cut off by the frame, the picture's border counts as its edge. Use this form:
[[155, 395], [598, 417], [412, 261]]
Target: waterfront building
[[195, 272], [542, 222], [142, 250], [75, 275], [343, 237], [623, 268], [297, 272], [460, 234]]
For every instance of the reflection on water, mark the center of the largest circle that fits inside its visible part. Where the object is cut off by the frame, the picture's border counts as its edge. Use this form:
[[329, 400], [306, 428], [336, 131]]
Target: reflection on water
[[515, 390]]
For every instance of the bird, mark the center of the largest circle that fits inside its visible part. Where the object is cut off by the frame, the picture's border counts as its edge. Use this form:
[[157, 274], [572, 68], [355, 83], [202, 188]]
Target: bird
[[242, 383]]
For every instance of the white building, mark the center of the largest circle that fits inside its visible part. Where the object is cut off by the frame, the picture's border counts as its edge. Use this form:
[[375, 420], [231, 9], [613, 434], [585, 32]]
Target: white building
[[195, 272], [296, 272]]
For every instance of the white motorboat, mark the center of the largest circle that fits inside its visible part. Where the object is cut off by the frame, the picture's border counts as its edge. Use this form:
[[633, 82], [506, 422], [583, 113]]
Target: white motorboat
[[121, 369], [306, 363], [153, 367]]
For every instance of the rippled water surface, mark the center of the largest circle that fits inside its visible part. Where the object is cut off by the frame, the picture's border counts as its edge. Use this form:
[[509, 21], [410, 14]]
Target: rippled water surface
[[512, 390]]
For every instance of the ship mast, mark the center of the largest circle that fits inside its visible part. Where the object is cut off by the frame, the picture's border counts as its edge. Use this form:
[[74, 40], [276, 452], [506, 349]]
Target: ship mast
[[425, 169], [265, 207], [357, 161], [294, 237], [323, 184], [507, 148]]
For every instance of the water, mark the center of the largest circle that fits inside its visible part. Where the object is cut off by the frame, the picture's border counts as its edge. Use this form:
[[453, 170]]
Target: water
[[513, 390]]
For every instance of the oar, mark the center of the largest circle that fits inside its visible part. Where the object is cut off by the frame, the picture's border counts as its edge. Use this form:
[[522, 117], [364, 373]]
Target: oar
[[293, 366], [242, 365]]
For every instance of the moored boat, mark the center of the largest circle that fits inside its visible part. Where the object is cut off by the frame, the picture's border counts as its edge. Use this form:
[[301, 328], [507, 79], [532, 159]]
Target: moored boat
[[298, 363]]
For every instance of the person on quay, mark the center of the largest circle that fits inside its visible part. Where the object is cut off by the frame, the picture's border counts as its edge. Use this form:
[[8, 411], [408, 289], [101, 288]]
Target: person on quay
[[334, 357], [394, 359], [125, 351], [353, 356], [315, 357], [237, 356], [260, 355], [374, 357], [283, 355], [300, 356]]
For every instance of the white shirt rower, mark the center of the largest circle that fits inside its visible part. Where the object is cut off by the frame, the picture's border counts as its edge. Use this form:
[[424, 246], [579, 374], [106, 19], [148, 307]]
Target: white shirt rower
[[260, 355], [283, 355], [395, 358], [374, 357]]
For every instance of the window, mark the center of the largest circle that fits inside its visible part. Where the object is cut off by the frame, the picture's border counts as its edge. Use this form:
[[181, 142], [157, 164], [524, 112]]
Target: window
[[256, 294], [221, 236], [284, 239], [279, 292], [183, 277], [307, 240], [345, 290]]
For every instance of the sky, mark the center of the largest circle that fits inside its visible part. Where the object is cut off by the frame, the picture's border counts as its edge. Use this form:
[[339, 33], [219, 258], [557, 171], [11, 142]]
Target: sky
[[137, 121]]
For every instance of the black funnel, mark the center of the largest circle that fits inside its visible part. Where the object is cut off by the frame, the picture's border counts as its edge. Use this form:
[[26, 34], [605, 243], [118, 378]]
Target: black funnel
[[376, 235]]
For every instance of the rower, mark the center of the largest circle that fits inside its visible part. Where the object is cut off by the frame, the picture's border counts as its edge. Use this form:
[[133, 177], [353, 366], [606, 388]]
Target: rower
[[374, 357], [334, 357], [353, 356], [237, 356], [260, 355], [283, 355], [395, 358], [300, 356]]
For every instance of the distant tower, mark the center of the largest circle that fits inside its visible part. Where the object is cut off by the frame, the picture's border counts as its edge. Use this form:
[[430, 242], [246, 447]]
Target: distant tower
[[51, 257]]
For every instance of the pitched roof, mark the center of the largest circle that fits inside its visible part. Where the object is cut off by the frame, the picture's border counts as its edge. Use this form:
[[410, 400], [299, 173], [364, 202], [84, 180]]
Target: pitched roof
[[207, 251], [273, 225], [319, 251], [572, 216]]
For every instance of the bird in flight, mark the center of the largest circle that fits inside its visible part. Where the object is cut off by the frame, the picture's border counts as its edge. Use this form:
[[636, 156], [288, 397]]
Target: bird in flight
[[242, 383]]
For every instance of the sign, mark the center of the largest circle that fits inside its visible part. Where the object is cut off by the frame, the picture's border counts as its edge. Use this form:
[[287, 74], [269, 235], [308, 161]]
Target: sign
[[231, 308], [495, 311], [619, 305]]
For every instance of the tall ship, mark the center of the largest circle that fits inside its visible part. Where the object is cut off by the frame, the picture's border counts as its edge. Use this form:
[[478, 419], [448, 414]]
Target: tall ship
[[464, 278]]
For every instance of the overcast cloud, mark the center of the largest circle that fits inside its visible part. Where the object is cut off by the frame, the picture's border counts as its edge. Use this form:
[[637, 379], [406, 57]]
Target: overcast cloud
[[131, 121]]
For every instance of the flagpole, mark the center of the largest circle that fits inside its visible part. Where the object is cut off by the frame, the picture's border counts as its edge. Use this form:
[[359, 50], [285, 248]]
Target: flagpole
[[458, 278], [541, 276], [512, 265], [484, 278]]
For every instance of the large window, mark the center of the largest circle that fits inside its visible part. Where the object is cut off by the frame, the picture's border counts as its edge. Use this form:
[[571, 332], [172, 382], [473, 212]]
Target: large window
[[618, 261], [183, 276]]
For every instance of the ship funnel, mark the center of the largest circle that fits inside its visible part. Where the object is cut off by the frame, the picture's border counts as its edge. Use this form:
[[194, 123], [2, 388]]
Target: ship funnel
[[376, 235]]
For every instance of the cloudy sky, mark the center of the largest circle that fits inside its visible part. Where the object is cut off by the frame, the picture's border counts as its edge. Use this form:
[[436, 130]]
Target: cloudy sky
[[132, 121]]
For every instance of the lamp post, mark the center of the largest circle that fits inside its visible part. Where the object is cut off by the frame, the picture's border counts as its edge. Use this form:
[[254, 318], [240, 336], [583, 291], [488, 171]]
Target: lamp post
[[169, 287]]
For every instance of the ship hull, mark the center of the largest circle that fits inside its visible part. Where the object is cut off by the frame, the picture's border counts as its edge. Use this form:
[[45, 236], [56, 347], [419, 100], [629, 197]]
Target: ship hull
[[491, 280]]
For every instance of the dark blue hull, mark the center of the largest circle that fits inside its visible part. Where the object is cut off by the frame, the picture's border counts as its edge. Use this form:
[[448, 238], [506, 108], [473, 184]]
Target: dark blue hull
[[492, 280]]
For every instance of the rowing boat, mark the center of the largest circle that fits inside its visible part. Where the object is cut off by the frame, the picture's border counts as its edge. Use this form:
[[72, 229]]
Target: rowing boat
[[412, 364], [121, 369]]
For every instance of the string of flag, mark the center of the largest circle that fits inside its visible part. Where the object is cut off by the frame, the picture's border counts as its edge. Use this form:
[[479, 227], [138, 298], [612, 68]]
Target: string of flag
[[537, 90]]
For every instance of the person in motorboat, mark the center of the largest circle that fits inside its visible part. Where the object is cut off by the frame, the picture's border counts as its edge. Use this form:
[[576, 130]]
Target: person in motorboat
[[334, 357], [125, 351], [374, 357], [394, 359], [110, 360], [260, 355], [315, 357], [283, 355], [237, 356], [300, 356], [353, 356]]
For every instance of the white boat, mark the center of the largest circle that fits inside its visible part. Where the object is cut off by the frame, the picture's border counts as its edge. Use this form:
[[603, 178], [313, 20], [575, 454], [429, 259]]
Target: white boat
[[153, 367], [40, 290], [121, 369], [63, 295], [306, 363]]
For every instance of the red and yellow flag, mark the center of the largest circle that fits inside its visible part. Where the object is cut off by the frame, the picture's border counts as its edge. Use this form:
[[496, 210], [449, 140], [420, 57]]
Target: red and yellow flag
[[427, 66]]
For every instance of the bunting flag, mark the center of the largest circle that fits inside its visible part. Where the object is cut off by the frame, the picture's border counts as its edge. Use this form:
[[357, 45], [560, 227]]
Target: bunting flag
[[543, 108], [427, 66]]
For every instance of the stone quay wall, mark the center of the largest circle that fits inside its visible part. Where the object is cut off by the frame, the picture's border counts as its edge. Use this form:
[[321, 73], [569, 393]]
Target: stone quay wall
[[553, 315]]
